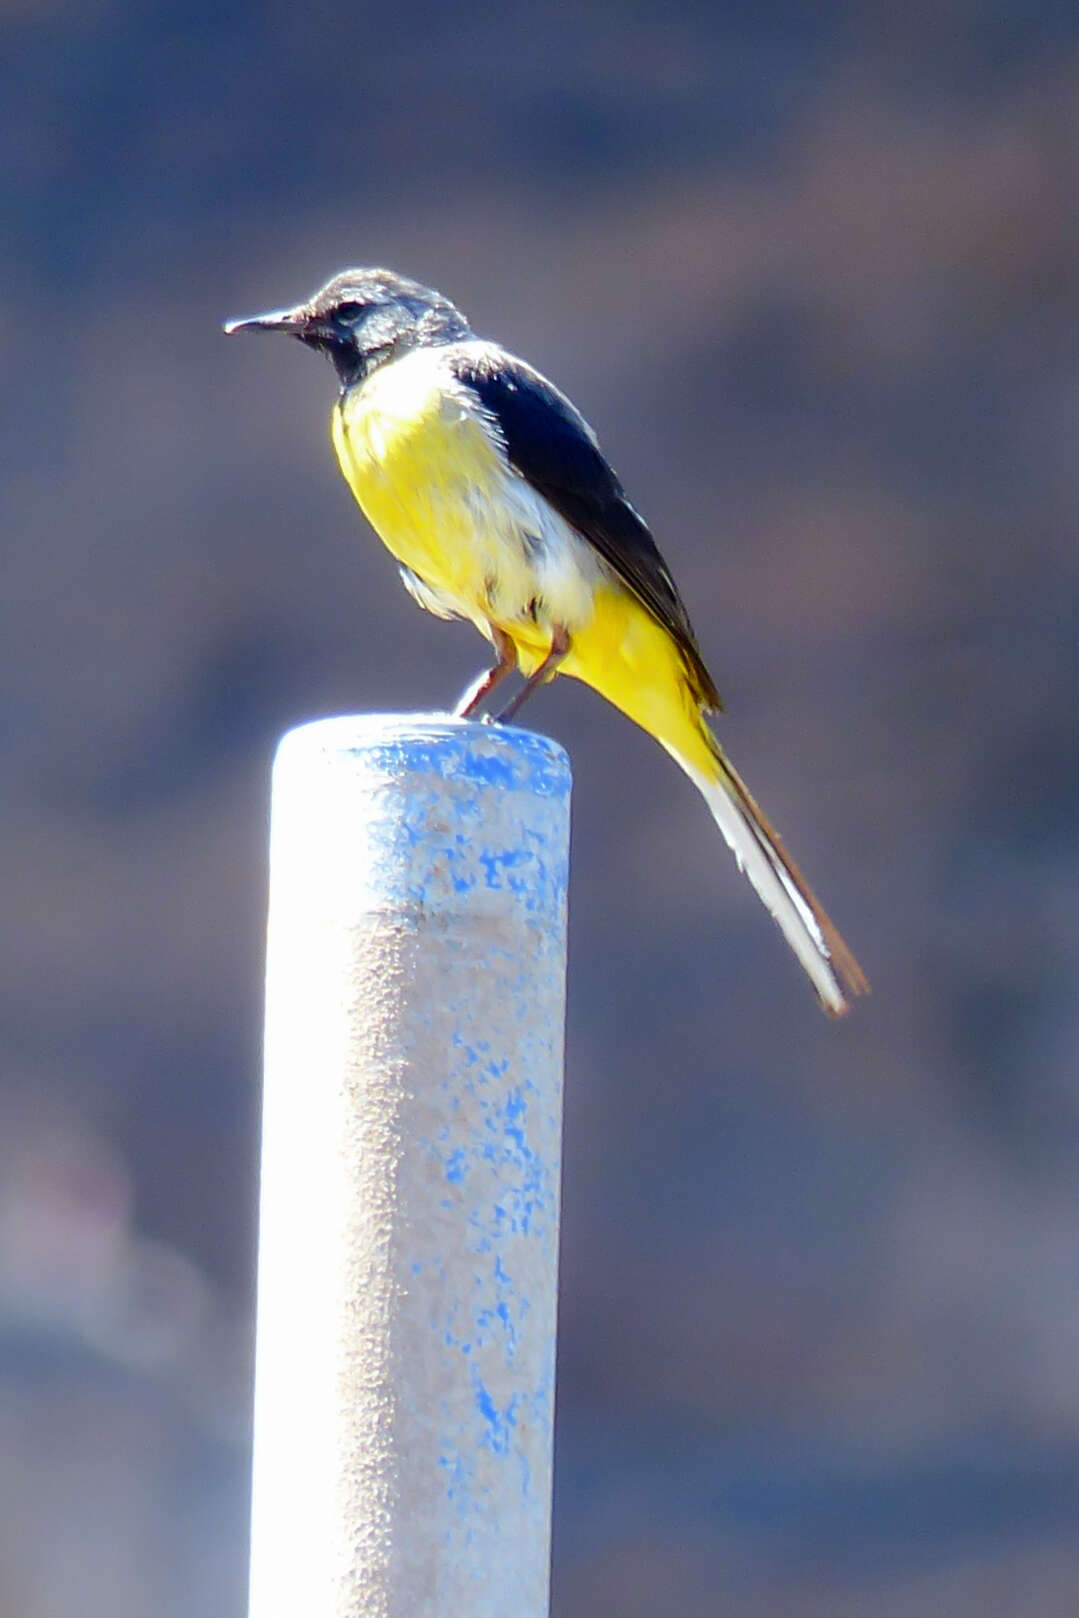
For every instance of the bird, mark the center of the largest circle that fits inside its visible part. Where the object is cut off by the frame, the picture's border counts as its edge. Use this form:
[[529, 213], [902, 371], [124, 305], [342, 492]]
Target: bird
[[492, 493]]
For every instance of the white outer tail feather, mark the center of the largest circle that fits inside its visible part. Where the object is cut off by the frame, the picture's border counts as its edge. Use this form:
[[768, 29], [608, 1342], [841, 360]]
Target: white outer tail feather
[[753, 847]]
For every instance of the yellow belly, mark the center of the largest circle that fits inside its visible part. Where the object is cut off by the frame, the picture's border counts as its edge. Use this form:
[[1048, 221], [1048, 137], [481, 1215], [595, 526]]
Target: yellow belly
[[426, 476], [434, 489]]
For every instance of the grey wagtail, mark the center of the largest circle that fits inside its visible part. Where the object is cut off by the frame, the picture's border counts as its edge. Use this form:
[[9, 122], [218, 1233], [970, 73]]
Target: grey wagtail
[[492, 493]]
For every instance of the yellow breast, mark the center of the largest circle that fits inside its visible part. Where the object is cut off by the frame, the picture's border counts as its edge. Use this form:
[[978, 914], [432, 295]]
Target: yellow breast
[[426, 476]]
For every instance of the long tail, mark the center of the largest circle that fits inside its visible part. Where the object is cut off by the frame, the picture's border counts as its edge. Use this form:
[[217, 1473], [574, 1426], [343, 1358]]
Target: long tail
[[759, 851], [632, 659]]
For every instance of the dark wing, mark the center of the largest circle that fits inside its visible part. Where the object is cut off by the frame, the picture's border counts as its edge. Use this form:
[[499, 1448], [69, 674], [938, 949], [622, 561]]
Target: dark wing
[[552, 446]]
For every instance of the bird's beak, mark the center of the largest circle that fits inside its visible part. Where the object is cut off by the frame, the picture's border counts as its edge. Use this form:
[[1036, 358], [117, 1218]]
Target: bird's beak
[[295, 321]]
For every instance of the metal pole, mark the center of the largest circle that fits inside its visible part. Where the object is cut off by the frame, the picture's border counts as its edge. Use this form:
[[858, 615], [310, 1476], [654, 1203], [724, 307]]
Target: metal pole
[[410, 1172]]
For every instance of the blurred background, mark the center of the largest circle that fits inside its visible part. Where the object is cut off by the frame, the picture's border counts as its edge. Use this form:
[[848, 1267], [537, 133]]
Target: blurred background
[[813, 271]]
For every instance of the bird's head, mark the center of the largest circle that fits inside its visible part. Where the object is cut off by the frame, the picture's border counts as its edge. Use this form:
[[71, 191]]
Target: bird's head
[[363, 318]]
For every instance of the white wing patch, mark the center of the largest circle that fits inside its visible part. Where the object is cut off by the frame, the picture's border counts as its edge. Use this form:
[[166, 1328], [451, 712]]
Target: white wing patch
[[554, 572]]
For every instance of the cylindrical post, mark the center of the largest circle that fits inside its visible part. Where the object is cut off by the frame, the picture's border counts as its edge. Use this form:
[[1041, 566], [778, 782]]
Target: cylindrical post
[[404, 1384]]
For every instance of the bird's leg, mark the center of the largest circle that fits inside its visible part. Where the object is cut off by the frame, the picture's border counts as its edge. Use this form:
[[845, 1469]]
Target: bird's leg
[[485, 683], [559, 648]]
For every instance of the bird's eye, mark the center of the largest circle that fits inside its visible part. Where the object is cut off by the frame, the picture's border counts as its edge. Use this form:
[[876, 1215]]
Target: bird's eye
[[348, 311]]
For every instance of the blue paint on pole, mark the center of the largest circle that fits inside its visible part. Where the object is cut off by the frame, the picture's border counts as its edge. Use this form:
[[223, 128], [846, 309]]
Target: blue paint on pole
[[411, 1171]]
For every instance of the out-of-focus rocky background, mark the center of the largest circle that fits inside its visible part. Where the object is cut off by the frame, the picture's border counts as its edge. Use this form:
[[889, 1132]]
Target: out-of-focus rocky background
[[814, 272]]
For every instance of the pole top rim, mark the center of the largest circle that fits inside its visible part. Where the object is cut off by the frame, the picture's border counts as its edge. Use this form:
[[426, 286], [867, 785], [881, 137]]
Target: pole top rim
[[500, 755]]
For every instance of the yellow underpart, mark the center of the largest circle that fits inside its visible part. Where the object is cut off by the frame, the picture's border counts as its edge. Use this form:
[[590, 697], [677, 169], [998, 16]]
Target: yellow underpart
[[432, 486], [630, 659], [418, 457], [428, 480]]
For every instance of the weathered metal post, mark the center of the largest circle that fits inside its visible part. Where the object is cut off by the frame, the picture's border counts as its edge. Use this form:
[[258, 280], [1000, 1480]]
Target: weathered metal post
[[410, 1172]]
